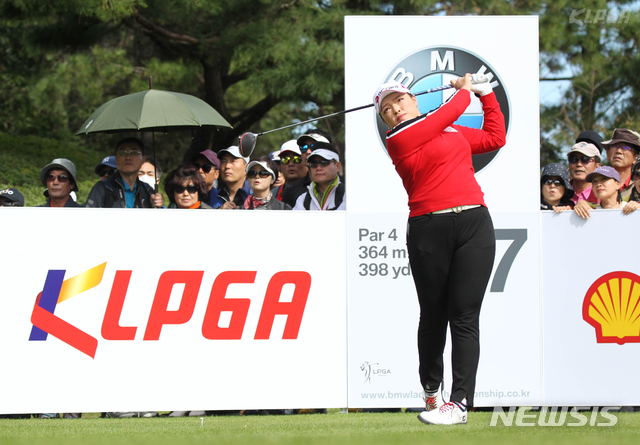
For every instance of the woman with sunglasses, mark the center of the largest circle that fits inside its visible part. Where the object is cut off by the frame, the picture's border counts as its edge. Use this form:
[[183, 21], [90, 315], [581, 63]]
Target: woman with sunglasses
[[450, 236], [555, 188], [262, 174], [186, 188]]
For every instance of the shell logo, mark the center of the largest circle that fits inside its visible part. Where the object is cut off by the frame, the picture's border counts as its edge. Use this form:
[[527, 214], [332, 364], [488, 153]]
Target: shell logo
[[612, 307]]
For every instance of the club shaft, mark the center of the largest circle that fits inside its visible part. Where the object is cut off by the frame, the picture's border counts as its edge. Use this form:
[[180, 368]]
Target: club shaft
[[362, 107]]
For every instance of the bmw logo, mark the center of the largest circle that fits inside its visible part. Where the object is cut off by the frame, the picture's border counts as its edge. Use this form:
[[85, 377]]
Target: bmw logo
[[432, 67]]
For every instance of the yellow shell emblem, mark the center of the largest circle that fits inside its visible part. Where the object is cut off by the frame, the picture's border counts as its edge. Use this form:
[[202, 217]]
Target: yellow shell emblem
[[612, 307]]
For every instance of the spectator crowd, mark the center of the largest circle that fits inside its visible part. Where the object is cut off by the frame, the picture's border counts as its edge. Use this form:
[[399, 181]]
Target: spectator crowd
[[587, 185], [303, 175]]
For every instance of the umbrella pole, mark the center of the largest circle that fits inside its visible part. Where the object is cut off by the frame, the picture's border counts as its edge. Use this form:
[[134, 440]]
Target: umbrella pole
[[155, 172]]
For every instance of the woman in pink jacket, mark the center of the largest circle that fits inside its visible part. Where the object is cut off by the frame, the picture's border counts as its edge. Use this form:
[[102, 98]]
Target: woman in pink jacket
[[450, 236]]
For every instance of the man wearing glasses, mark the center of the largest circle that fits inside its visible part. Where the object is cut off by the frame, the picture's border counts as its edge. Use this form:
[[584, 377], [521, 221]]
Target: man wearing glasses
[[124, 189], [622, 151], [326, 191], [293, 188], [59, 177], [583, 158]]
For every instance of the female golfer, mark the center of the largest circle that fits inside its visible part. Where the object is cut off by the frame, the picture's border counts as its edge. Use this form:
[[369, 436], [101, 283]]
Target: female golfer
[[450, 236]]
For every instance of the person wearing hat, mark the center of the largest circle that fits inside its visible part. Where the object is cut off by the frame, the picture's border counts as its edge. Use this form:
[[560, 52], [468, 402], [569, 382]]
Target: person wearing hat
[[555, 189], [606, 185], [275, 157], [622, 150], [11, 197], [124, 189], [326, 191], [262, 174], [295, 171], [292, 162], [59, 177], [450, 235], [583, 158], [591, 137], [307, 141], [208, 165], [633, 193], [106, 168], [235, 187]]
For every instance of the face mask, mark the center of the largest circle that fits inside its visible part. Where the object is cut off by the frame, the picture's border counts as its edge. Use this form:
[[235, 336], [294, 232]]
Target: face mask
[[147, 179]]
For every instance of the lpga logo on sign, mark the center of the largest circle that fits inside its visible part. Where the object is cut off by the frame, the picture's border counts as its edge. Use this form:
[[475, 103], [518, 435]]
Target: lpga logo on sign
[[373, 370], [234, 311], [432, 67]]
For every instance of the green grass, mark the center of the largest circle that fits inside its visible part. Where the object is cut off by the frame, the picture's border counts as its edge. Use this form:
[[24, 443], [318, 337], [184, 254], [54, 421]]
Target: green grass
[[332, 428]]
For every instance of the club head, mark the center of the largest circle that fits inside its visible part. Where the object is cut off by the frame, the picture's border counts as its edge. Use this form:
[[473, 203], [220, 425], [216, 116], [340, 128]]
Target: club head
[[247, 143]]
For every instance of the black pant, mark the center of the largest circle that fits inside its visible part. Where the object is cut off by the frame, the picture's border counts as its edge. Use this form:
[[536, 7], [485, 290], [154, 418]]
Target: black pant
[[451, 257]]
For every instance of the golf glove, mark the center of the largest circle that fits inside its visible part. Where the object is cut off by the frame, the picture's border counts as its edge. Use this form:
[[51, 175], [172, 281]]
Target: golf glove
[[484, 88]]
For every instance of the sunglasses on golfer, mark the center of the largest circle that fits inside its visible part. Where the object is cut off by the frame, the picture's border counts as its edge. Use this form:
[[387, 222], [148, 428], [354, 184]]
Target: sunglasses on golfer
[[322, 162], [557, 182], [254, 173], [190, 188], [294, 159], [206, 168], [61, 178], [586, 160], [635, 174], [10, 204]]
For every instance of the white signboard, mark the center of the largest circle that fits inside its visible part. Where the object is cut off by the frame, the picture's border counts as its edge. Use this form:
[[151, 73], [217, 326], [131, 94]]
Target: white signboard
[[591, 309], [383, 309], [140, 310]]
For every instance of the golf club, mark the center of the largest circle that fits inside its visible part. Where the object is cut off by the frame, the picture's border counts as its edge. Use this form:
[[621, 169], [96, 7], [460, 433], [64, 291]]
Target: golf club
[[247, 141]]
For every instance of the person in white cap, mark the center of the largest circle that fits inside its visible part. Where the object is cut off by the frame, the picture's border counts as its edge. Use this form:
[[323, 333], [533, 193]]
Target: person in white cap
[[262, 174], [450, 236], [235, 188], [583, 158], [326, 191]]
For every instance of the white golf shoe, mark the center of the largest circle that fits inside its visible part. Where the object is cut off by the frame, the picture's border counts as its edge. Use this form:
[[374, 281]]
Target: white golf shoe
[[434, 402], [450, 413]]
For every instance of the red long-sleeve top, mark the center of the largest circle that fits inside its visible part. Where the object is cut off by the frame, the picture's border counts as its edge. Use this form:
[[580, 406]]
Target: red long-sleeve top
[[433, 156]]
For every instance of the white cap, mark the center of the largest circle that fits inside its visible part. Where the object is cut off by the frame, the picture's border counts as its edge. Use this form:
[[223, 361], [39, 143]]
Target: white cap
[[263, 165], [316, 137], [234, 151], [291, 145], [325, 154], [385, 89]]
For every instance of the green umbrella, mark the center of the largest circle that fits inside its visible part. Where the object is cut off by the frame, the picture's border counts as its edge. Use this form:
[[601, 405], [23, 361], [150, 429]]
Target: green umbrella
[[152, 110]]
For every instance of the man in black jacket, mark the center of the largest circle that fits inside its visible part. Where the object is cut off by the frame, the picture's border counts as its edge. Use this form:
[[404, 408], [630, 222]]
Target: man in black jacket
[[124, 189]]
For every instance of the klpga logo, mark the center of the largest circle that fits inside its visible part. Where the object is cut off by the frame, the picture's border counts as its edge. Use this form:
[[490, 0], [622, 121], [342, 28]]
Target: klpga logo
[[232, 310]]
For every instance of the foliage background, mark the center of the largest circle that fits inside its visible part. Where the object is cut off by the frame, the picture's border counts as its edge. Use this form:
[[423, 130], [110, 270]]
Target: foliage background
[[264, 64]]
